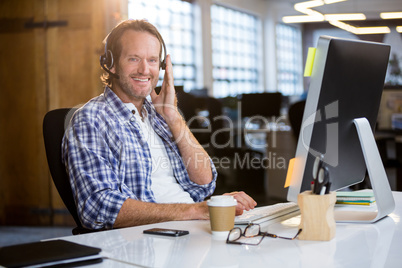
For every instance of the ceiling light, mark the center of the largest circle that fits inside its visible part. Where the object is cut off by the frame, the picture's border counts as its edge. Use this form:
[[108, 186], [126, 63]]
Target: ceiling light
[[343, 26], [399, 29], [337, 19], [391, 15], [333, 1], [373, 30], [350, 16], [302, 18], [312, 12], [304, 7], [360, 30]]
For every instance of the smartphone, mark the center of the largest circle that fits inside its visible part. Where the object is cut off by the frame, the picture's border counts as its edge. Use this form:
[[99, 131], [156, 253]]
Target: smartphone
[[166, 232]]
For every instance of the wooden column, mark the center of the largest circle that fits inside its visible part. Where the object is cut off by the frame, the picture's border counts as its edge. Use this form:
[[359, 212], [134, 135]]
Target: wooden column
[[50, 59]]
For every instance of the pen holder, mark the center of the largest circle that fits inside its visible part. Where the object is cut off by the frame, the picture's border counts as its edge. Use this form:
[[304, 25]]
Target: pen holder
[[317, 216]]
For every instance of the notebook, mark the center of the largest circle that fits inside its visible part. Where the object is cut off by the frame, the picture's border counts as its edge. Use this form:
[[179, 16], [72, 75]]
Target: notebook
[[364, 197], [48, 253]]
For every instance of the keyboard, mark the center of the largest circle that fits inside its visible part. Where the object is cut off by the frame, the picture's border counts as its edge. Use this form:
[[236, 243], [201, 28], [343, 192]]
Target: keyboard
[[274, 213]]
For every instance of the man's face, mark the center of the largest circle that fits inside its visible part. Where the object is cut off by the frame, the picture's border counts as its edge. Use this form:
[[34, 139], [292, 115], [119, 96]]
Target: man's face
[[138, 66]]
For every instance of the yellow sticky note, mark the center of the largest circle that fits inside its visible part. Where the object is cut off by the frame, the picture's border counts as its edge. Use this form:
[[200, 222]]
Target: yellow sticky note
[[308, 69], [290, 172]]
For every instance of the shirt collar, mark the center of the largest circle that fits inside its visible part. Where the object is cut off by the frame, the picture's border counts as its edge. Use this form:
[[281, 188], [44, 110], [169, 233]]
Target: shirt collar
[[135, 112], [117, 105], [123, 111]]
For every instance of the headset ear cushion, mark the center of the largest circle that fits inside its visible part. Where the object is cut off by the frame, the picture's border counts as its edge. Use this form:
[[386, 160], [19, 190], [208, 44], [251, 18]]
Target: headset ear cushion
[[163, 65], [102, 59], [108, 59]]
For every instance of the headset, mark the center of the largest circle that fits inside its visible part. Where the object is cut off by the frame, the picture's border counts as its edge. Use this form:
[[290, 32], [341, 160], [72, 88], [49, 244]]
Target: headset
[[106, 60]]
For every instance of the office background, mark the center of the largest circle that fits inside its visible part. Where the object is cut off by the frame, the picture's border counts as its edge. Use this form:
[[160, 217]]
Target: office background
[[50, 59]]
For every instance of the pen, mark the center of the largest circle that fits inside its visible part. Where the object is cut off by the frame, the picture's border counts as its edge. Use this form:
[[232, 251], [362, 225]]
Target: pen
[[321, 183], [323, 190], [317, 166]]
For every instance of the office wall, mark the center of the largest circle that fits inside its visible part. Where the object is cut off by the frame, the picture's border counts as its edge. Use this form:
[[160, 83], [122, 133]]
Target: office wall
[[42, 68]]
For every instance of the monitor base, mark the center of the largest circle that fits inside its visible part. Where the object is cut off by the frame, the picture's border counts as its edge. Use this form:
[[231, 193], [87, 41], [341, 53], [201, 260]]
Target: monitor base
[[378, 178]]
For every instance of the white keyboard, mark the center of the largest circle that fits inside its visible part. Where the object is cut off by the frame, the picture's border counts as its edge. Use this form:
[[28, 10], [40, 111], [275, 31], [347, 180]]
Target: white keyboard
[[272, 213]]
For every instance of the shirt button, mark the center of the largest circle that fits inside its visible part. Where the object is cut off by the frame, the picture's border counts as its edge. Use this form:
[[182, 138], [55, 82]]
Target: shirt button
[[132, 119]]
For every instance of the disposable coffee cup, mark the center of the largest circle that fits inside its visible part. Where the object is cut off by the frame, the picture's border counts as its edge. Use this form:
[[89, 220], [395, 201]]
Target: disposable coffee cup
[[222, 211]]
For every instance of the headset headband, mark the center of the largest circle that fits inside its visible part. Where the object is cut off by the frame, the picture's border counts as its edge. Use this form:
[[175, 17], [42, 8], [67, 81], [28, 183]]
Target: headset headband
[[107, 62]]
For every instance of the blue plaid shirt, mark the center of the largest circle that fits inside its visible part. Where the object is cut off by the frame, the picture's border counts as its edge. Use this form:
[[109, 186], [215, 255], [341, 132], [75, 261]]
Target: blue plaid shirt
[[108, 159]]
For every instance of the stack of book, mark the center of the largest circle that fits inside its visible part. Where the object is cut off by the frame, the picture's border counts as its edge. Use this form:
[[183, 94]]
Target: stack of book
[[365, 198]]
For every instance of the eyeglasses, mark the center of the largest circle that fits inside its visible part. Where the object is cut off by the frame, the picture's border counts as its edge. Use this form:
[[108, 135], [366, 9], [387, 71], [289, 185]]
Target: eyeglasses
[[252, 235]]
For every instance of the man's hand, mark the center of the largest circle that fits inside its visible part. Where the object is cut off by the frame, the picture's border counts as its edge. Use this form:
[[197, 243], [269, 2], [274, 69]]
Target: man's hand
[[194, 156], [134, 212], [244, 202], [166, 102]]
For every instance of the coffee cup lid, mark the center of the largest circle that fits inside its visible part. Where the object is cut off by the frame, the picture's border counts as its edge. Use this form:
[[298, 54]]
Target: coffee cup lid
[[222, 201]]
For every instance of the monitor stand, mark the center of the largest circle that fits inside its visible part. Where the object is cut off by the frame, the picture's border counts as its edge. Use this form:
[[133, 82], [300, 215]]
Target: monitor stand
[[378, 178]]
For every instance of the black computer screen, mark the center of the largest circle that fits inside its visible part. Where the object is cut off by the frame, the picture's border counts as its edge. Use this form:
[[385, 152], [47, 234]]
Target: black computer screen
[[346, 83]]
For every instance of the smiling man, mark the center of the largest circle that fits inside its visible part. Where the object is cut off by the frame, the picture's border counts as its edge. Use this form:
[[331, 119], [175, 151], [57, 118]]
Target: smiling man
[[132, 161]]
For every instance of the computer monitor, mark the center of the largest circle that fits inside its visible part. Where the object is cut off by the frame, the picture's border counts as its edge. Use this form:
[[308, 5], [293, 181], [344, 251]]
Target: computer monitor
[[346, 84]]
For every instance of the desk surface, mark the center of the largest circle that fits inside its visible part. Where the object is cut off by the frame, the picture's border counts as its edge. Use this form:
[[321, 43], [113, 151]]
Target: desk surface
[[355, 245]]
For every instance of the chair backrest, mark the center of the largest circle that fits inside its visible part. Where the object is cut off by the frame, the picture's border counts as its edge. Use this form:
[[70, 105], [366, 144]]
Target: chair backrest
[[53, 131], [295, 113], [264, 104]]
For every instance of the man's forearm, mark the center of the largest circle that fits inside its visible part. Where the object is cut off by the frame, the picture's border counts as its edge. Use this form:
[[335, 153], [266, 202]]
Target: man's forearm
[[134, 213], [194, 156]]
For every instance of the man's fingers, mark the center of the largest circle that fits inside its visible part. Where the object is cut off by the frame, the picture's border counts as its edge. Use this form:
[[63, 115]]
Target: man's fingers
[[239, 210], [153, 95], [168, 82], [244, 201]]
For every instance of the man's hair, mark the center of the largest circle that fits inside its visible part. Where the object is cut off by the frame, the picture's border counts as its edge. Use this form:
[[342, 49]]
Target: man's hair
[[114, 45]]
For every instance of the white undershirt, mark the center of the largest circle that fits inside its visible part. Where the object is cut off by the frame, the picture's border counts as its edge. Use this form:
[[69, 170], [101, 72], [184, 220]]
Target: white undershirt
[[164, 185]]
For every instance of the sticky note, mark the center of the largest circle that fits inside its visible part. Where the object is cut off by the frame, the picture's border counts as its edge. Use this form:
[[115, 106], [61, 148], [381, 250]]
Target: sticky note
[[308, 69], [290, 172]]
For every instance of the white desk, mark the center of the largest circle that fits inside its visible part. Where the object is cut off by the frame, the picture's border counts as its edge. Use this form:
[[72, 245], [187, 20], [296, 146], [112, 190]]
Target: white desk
[[355, 245]]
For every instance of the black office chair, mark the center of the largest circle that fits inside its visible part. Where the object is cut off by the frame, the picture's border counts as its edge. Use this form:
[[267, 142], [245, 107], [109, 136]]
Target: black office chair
[[295, 114], [265, 104], [260, 105], [53, 131]]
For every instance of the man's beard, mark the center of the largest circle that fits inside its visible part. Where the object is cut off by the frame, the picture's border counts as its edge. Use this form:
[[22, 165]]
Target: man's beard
[[126, 86]]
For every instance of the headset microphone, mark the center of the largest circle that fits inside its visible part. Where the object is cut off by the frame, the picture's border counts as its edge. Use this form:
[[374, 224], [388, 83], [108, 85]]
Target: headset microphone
[[103, 62]]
